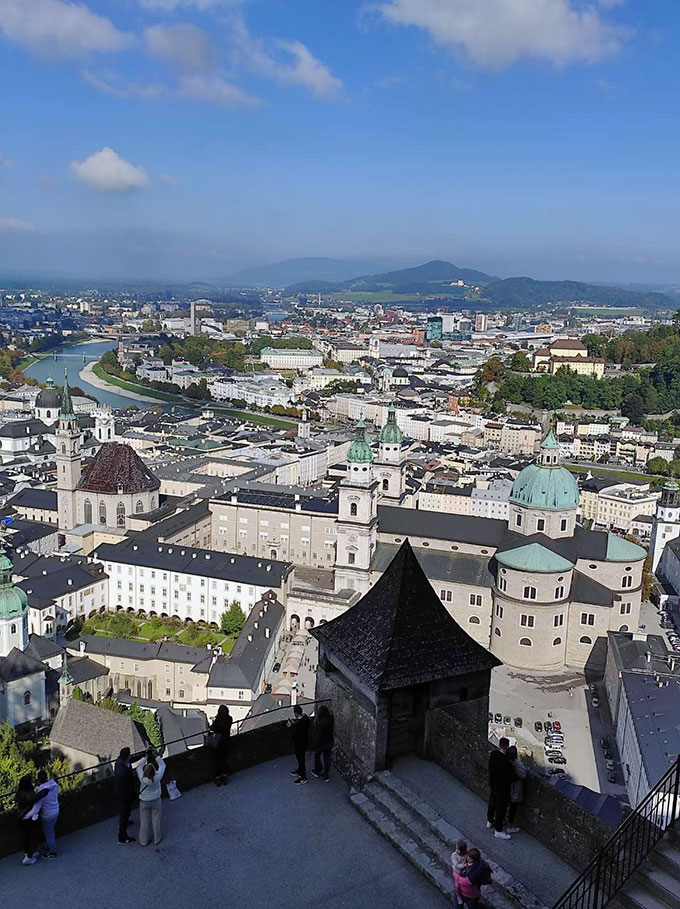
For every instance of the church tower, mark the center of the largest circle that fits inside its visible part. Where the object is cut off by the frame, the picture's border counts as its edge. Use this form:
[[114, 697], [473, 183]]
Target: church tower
[[68, 460], [104, 424], [666, 522], [390, 467], [304, 429], [13, 611], [357, 517]]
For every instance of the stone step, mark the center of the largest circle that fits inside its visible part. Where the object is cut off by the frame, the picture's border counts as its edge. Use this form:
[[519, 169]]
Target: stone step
[[448, 834], [427, 840], [663, 885], [637, 895], [667, 856]]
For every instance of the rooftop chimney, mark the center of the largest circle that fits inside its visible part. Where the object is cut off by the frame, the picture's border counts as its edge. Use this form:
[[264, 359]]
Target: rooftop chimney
[[250, 637], [82, 645], [267, 632]]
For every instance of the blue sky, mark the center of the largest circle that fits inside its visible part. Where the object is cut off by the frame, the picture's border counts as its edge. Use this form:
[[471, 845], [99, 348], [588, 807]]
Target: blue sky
[[185, 139]]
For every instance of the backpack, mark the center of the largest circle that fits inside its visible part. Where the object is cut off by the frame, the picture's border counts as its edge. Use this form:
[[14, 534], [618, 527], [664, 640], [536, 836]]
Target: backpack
[[484, 875]]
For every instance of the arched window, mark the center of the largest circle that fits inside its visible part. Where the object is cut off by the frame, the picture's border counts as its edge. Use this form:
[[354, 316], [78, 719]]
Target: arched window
[[27, 697], [525, 642], [497, 632], [386, 484], [474, 620], [102, 512], [120, 514], [623, 628], [584, 640], [13, 629], [139, 506], [351, 558], [63, 448], [353, 509], [87, 511], [557, 641]]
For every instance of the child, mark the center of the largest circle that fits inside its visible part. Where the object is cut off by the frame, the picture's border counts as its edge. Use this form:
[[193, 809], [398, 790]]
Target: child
[[458, 862]]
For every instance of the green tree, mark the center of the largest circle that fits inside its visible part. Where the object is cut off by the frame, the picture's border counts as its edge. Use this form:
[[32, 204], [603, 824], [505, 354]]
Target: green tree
[[520, 362], [660, 466], [491, 371], [110, 704], [232, 620], [633, 407], [149, 720], [19, 757]]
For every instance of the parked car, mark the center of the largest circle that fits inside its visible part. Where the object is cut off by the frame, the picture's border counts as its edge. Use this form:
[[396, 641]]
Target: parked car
[[490, 717], [612, 777], [604, 742], [608, 756], [553, 754], [557, 760], [518, 722], [555, 771], [276, 667], [595, 702], [506, 720], [554, 737], [557, 726], [538, 726], [498, 718], [610, 765], [548, 726]]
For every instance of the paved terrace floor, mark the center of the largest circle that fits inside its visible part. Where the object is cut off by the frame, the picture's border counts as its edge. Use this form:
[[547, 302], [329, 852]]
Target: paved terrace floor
[[527, 860], [260, 843]]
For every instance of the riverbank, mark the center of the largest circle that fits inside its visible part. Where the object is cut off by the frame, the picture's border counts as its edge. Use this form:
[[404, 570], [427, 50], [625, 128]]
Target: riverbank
[[87, 374]]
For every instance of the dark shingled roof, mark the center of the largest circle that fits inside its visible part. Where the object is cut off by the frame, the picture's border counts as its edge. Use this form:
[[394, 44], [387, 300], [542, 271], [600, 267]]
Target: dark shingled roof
[[115, 466], [400, 634]]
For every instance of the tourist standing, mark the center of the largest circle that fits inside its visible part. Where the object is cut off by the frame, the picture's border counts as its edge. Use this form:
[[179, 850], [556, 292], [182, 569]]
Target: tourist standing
[[28, 808], [474, 874], [150, 773], [323, 743], [221, 729], [49, 812], [124, 785], [516, 787], [300, 726], [501, 775]]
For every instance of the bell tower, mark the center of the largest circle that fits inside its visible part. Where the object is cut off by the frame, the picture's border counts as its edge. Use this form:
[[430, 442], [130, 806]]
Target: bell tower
[[13, 610], [68, 460], [665, 523], [390, 467], [357, 517]]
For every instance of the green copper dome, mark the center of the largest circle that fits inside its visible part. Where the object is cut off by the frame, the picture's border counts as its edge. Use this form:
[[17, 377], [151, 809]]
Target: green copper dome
[[546, 484], [13, 600], [390, 434], [360, 451]]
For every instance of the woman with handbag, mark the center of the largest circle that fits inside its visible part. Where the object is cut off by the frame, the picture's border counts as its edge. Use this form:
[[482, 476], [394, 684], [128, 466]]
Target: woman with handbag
[[220, 732], [150, 775]]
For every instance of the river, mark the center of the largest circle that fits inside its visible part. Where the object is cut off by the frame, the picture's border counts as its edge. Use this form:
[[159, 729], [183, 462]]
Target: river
[[71, 356]]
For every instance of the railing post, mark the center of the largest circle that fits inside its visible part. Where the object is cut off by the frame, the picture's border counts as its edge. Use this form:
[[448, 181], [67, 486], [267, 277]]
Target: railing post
[[596, 891], [676, 793]]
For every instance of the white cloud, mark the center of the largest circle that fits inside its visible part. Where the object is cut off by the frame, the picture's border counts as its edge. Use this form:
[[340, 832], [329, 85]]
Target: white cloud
[[497, 33], [112, 85], [59, 28], [185, 47], [105, 171], [169, 6], [15, 225], [304, 69], [214, 89]]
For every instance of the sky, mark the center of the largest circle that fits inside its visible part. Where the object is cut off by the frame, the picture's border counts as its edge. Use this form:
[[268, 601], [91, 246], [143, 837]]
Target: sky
[[186, 139]]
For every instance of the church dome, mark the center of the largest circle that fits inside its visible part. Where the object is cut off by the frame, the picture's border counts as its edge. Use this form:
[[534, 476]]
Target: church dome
[[400, 373], [390, 434], [546, 484], [13, 600], [116, 468], [49, 396], [360, 451]]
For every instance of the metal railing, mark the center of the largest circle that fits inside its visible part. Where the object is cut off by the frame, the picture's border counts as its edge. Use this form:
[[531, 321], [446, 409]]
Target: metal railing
[[190, 741], [627, 847]]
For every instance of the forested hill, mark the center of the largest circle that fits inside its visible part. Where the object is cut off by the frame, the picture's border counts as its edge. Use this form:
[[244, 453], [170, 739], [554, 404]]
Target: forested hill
[[439, 279]]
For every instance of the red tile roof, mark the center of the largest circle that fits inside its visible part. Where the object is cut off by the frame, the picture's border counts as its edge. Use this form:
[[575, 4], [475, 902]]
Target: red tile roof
[[117, 468]]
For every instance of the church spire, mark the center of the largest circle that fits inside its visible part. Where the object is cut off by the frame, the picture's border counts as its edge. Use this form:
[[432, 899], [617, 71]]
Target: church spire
[[66, 402]]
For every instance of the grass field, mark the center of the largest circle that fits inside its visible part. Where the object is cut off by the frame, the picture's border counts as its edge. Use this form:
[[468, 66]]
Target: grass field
[[101, 373], [27, 361], [611, 473], [386, 296], [608, 310], [131, 628]]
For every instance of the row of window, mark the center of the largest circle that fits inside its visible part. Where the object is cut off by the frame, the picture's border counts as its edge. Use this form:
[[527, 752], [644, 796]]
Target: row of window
[[527, 642], [120, 512], [539, 523]]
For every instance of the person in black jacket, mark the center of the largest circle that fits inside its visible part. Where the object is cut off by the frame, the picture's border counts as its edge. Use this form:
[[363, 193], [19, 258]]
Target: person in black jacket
[[28, 810], [300, 727], [221, 727], [124, 785], [323, 742], [501, 776]]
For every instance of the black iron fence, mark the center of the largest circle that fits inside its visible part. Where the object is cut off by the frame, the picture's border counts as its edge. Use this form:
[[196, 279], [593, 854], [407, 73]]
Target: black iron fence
[[627, 847]]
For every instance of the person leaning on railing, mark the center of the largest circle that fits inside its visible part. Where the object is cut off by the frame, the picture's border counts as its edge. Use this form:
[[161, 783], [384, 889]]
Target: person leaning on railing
[[150, 772]]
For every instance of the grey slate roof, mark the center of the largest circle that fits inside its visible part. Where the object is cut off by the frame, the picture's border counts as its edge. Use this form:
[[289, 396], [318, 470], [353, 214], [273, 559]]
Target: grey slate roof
[[31, 497], [18, 664], [656, 719], [242, 666], [83, 669], [400, 634], [101, 733], [42, 648], [452, 567]]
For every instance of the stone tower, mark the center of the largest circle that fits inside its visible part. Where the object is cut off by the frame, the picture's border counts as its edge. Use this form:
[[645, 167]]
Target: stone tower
[[390, 467], [357, 517], [666, 522], [68, 460], [104, 424]]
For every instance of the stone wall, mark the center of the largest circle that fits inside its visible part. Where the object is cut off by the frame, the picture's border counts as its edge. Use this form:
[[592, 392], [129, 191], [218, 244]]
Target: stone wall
[[94, 802], [555, 820]]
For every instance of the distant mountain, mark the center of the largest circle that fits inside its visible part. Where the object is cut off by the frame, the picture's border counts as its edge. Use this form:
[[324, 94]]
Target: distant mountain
[[525, 292], [436, 270], [295, 271]]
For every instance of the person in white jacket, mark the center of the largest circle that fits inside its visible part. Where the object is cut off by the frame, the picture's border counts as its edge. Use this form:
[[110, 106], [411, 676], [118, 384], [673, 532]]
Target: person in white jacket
[[48, 791], [150, 772]]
